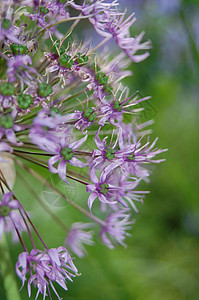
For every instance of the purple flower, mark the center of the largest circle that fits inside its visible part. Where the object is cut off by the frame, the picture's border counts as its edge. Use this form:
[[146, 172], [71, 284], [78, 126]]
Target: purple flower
[[4, 147], [7, 29], [115, 229], [99, 13], [102, 188], [45, 130], [77, 236], [65, 153], [119, 28], [108, 22], [8, 127], [104, 153], [136, 155], [19, 66], [44, 268], [10, 218], [82, 119], [114, 188]]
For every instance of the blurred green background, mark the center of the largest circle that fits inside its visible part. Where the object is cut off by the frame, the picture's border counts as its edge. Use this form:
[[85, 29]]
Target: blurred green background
[[162, 257]]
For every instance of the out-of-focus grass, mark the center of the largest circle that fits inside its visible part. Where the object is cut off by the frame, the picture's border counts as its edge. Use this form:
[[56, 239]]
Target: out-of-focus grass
[[161, 261]]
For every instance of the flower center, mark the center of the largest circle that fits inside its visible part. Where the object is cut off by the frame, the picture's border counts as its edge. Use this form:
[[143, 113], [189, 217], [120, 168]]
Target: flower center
[[57, 49], [67, 153], [81, 58], [7, 89], [102, 78], [44, 89], [24, 101], [18, 49], [131, 157], [6, 121], [88, 114], [66, 61], [117, 105], [6, 23], [4, 210], [110, 153], [104, 188]]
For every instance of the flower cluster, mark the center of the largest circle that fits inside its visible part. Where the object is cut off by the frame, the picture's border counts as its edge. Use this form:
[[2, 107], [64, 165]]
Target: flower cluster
[[63, 107]]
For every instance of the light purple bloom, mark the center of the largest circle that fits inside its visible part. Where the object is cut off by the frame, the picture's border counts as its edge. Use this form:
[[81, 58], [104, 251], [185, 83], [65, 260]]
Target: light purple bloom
[[114, 189], [77, 236], [120, 29], [115, 229], [65, 153], [10, 31], [101, 187], [44, 268], [19, 66], [108, 22], [8, 127], [10, 218]]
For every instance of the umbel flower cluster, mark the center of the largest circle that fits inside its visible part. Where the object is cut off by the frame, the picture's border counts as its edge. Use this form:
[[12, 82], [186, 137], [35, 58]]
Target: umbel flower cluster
[[64, 108]]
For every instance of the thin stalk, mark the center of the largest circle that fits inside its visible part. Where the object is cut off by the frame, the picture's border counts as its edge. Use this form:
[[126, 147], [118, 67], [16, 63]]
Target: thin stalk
[[34, 228], [64, 21], [77, 152], [75, 84], [7, 271], [40, 178], [45, 207], [192, 42], [42, 164], [75, 95], [104, 41], [69, 31], [28, 229], [32, 153]]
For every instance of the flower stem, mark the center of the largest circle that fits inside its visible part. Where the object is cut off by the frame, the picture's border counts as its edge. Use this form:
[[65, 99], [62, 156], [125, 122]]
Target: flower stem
[[41, 179], [7, 273]]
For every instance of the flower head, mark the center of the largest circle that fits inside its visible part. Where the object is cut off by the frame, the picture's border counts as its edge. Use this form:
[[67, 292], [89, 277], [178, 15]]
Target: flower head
[[77, 236], [54, 265], [115, 228]]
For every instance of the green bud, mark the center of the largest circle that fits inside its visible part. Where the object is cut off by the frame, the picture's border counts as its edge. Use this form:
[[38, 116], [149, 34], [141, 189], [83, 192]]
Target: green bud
[[131, 157], [43, 10], [6, 121], [67, 153], [95, 68], [3, 67], [117, 105], [104, 188], [101, 77], [5, 210], [66, 61], [18, 49], [6, 23], [110, 153], [89, 114], [108, 88], [55, 110], [57, 49], [24, 101], [7, 89], [81, 58], [44, 89], [92, 117]]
